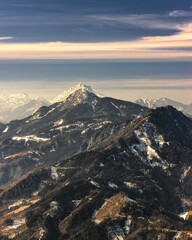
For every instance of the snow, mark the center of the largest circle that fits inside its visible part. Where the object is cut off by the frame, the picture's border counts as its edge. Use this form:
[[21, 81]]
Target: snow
[[70, 127], [17, 223], [37, 116], [94, 103], [14, 100], [53, 149], [128, 225], [112, 185], [121, 113], [161, 102], [16, 204], [99, 125], [115, 106], [130, 184], [185, 172], [41, 186], [85, 131], [101, 165], [54, 204], [42, 233], [150, 145], [76, 202], [178, 236], [54, 174], [115, 232], [54, 207], [58, 123], [32, 138], [19, 106], [151, 153], [130, 200], [6, 129], [64, 95], [82, 126], [183, 215], [94, 183]]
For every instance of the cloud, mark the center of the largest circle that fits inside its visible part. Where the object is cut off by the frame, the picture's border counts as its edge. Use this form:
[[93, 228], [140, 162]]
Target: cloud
[[148, 21], [144, 48], [152, 84], [5, 38], [180, 13]]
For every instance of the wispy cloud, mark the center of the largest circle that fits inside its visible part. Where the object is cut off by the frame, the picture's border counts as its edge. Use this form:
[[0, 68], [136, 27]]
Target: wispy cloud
[[151, 84], [5, 38], [148, 21], [180, 13]]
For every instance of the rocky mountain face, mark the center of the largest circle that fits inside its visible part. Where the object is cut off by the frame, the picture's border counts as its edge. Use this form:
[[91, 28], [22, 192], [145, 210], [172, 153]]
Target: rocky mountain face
[[96, 168], [19, 106], [163, 102]]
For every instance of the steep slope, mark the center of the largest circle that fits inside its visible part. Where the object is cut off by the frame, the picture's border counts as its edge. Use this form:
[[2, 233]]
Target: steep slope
[[61, 130], [133, 184]]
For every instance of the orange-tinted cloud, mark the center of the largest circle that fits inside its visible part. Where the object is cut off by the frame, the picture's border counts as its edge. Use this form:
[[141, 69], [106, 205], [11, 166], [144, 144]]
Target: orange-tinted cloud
[[159, 47]]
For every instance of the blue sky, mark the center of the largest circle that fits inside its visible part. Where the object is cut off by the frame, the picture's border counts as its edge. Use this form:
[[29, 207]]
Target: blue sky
[[91, 20], [95, 41]]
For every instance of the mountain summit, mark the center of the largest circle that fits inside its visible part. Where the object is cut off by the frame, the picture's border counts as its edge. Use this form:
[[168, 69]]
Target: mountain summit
[[82, 88]]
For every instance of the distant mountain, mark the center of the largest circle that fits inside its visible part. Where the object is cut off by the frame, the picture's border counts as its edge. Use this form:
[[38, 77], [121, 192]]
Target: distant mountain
[[161, 102], [18, 106]]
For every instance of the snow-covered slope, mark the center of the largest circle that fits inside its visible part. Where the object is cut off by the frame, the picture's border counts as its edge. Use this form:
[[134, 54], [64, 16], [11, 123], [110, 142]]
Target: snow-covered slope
[[161, 102], [79, 87], [18, 106]]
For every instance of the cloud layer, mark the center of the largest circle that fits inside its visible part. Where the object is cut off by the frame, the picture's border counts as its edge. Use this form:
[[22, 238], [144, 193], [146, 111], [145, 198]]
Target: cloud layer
[[176, 46]]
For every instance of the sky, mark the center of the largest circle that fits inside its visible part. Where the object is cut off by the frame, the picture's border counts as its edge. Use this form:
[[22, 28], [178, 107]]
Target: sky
[[126, 49]]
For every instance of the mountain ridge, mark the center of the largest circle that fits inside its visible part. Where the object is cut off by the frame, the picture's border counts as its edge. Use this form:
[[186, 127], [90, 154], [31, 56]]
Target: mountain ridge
[[79, 194], [163, 102], [21, 105], [96, 168]]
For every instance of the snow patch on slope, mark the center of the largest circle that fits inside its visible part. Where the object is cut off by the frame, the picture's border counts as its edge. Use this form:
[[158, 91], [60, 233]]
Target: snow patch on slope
[[150, 143], [32, 138]]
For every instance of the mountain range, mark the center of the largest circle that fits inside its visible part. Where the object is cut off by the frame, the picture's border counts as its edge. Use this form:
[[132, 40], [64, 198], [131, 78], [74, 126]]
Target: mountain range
[[19, 106], [92, 167], [163, 102]]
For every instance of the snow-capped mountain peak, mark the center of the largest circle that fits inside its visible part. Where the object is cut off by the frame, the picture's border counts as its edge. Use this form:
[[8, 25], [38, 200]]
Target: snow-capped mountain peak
[[71, 91], [13, 100], [161, 102], [18, 106]]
